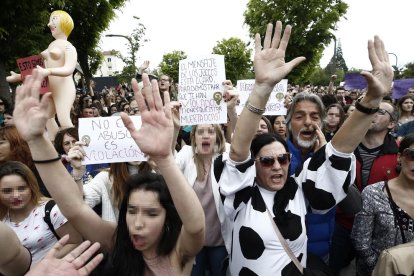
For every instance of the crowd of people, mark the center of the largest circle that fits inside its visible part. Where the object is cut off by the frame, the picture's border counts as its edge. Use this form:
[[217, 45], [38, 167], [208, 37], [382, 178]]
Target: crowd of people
[[303, 193]]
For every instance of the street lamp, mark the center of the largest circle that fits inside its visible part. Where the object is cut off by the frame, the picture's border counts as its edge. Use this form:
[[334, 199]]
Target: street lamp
[[130, 42], [396, 59]]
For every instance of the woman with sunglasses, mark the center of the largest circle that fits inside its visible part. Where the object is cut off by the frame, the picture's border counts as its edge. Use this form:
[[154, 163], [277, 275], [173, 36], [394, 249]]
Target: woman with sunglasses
[[387, 215], [257, 191]]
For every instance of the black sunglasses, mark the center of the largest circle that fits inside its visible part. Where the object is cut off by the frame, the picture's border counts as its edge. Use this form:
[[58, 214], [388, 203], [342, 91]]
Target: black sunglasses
[[409, 153], [268, 161]]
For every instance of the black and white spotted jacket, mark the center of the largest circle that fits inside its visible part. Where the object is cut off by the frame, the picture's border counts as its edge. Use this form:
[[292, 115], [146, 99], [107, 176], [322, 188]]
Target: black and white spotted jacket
[[255, 250]]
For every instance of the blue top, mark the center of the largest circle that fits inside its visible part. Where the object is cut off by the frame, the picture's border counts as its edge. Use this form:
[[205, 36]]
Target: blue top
[[319, 227]]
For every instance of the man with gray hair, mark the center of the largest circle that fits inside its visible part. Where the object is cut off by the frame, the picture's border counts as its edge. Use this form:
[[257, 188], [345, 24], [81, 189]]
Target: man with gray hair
[[304, 121]]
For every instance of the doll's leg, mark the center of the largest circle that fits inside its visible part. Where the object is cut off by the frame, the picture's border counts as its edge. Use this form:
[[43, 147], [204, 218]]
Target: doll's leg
[[63, 100]]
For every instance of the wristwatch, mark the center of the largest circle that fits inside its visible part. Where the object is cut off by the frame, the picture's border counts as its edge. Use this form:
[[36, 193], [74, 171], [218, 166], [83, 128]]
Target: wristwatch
[[366, 110]]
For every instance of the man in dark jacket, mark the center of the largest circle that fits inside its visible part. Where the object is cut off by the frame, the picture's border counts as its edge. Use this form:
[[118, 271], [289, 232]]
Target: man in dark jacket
[[376, 161]]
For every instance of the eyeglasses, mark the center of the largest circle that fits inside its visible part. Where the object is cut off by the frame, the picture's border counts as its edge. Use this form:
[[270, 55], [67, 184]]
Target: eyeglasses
[[408, 153], [164, 80], [268, 161], [383, 111]]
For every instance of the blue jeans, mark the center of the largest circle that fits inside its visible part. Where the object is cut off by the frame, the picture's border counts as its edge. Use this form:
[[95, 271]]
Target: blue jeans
[[342, 250], [211, 259]]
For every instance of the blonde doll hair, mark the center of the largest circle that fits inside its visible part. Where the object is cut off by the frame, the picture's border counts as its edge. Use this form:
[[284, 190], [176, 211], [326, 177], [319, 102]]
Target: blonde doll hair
[[66, 22]]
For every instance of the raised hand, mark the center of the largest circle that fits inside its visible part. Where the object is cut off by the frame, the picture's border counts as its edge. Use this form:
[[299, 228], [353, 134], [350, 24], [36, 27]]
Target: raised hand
[[14, 77], [155, 136], [75, 156], [380, 78], [73, 264], [269, 60], [143, 66], [30, 114]]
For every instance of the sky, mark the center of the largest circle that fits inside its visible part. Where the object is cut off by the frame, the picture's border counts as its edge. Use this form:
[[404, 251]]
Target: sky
[[195, 27]]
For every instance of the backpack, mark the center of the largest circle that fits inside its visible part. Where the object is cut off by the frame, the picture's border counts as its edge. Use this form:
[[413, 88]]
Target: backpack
[[46, 218]]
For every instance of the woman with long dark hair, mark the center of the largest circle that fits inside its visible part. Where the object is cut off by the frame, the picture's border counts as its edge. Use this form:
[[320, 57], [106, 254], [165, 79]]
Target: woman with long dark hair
[[136, 246]]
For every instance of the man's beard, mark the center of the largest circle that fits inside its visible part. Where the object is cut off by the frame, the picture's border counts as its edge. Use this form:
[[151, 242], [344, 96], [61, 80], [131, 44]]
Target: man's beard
[[306, 143]]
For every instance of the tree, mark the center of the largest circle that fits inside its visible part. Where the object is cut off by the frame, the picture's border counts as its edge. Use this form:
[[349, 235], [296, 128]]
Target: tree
[[312, 21], [170, 64], [408, 72], [319, 77], [337, 61], [24, 32], [91, 18], [136, 40], [237, 58]]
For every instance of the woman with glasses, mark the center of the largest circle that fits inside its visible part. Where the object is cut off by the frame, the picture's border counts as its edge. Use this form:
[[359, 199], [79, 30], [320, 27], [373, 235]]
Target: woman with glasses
[[258, 193], [387, 215]]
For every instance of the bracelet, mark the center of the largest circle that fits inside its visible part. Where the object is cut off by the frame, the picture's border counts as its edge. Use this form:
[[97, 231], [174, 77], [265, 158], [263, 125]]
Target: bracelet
[[254, 109], [366, 110], [47, 161]]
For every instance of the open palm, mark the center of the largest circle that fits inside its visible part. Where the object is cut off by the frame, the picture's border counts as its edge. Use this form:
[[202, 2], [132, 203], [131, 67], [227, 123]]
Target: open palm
[[269, 61], [155, 136]]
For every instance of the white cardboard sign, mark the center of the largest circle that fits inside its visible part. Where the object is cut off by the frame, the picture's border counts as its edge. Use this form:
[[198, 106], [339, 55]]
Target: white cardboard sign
[[108, 140], [275, 105], [200, 90]]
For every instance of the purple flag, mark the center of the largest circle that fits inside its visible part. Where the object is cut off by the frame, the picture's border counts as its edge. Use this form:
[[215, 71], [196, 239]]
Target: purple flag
[[355, 81], [400, 87]]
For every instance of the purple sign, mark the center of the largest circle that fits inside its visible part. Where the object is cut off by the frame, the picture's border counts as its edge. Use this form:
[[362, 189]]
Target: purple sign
[[355, 81]]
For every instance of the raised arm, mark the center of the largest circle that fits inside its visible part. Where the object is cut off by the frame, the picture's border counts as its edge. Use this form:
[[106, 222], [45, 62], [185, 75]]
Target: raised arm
[[379, 81], [14, 258], [270, 68], [30, 116], [231, 96], [154, 138]]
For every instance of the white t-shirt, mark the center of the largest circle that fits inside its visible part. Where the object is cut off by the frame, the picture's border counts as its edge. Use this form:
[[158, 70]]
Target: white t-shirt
[[33, 232]]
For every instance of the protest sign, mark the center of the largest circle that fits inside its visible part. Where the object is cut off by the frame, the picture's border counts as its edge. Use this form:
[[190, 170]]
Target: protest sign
[[26, 66], [275, 105], [200, 90], [108, 140]]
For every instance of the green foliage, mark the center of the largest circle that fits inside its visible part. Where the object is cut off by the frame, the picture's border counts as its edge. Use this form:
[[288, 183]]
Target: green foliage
[[237, 58], [319, 77], [408, 72], [312, 22], [337, 62], [322, 77], [91, 18], [24, 32], [135, 41], [170, 64]]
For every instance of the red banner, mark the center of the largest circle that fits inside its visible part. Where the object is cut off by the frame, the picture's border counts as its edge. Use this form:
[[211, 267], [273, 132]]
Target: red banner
[[26, 66]]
